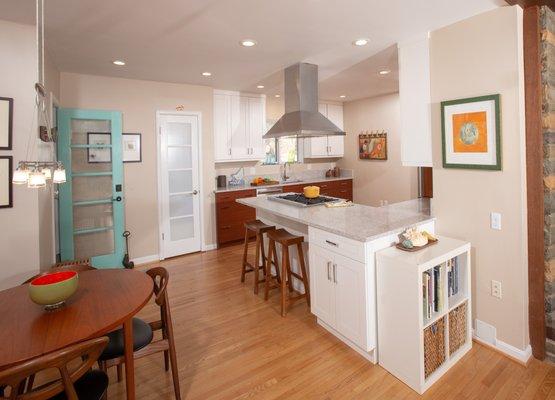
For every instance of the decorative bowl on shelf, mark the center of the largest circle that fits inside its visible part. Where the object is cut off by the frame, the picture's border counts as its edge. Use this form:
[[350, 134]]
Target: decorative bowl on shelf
[[311, 192], [52, 289]]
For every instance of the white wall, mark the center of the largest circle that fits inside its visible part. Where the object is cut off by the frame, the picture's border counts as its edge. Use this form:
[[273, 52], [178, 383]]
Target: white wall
[[377, 180], [479, 56], [138, 101], [19, 247]]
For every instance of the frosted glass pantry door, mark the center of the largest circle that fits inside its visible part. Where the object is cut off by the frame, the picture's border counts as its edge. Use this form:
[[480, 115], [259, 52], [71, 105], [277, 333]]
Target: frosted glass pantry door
[[179, 186]]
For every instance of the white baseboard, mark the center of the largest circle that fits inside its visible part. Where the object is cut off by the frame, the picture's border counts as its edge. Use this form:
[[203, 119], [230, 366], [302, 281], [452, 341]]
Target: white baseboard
[[146, 259], [488, 337], [208, 247]]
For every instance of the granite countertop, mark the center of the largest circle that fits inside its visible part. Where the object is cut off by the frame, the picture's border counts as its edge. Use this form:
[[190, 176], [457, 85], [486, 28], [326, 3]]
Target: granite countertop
[[307, 181], [359, 222]]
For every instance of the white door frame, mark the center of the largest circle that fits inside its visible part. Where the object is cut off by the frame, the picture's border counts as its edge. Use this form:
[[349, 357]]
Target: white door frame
[[197, 114]]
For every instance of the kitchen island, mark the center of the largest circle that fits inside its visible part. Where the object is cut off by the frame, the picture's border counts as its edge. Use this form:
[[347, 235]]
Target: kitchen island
[[341, 244]]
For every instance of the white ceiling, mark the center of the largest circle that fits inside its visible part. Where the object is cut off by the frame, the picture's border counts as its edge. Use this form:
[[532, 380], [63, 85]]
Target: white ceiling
[[176, 40]]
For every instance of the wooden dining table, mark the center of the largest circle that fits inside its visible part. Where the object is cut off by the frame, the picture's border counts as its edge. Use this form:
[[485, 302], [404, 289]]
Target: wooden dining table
[[105, 300]]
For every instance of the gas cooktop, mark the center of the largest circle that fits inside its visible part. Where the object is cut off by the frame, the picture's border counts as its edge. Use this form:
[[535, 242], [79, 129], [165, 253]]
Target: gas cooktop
[[301, 200]]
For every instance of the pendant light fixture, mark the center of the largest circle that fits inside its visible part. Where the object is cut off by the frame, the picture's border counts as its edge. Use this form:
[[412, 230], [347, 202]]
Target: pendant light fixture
[[37, 173]]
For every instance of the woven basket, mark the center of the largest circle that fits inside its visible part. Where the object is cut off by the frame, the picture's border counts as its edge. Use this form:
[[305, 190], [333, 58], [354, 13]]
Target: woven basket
[[457, 328], [434, 346]]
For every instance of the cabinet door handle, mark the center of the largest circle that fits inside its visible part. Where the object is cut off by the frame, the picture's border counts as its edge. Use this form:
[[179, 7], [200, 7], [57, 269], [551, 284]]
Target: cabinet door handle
[[331, 243], [329, 274], [226, 227], [334, 273], [229, 151]]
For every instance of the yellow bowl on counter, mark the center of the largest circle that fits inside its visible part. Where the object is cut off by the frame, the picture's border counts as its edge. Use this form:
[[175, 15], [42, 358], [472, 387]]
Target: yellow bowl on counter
[[311, 192]]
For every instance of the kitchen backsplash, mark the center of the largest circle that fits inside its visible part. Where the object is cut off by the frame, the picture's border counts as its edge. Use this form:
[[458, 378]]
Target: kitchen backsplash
[[303, 172]]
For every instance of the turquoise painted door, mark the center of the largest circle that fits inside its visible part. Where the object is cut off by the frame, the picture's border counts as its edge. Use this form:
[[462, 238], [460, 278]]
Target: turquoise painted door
[[91, 202]]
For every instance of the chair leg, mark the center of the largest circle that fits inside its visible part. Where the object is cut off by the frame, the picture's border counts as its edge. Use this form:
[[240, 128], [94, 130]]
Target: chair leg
[[303, 272], [119, 371], [245, 251], [284, 273], [167, 360], [289, 276], [173, 357], [256, 264], [271, 252]]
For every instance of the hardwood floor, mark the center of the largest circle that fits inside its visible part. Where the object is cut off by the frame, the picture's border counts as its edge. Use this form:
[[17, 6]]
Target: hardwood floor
[[233, 345]]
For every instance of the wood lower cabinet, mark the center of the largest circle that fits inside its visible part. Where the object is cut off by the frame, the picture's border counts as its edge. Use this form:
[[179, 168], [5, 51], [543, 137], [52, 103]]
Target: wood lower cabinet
[[230, 215]]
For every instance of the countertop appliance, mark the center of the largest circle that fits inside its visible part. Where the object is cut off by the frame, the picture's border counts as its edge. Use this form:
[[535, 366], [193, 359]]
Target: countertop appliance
[[300, 200]]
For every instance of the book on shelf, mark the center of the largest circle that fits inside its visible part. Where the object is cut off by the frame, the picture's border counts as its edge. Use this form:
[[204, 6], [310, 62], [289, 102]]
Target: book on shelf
[[453, 276], [432, 291]]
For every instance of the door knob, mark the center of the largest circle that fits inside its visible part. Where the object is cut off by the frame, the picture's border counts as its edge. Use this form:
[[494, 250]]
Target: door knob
[[117, 198], [195, 191]]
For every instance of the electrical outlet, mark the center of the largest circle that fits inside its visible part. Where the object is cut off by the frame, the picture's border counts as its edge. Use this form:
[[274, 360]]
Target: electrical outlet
[[495, 221], [496, 290]]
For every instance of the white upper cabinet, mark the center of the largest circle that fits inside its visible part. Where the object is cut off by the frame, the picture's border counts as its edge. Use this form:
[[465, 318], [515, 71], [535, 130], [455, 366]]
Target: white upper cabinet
[[326, 146], [222, 127], [239, 124], [415, 102], [257, 126]]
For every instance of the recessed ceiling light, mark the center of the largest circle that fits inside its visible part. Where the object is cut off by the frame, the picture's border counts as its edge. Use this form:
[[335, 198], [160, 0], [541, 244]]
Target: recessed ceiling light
[[361, 42], [384, 72], [248, 42], [277, 95], [260, 86], [207, 73], [342, 96], [118, 62]]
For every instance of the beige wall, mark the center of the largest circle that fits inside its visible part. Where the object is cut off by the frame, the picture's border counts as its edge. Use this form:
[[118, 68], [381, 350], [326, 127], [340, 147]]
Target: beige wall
[[138, 101], [19, 246], [377, 180], [480, 56]]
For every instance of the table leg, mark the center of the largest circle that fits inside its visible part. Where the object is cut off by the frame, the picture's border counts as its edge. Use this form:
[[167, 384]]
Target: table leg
[[129, 361]]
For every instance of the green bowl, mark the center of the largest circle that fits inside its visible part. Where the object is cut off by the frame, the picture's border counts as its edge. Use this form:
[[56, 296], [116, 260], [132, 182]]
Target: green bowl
[[51, 290]]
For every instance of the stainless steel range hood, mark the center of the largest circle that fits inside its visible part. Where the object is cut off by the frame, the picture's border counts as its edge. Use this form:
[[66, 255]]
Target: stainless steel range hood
[[301, 118]]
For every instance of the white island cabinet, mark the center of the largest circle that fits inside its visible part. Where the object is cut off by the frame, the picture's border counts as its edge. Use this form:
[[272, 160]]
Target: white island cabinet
[[342, 245]]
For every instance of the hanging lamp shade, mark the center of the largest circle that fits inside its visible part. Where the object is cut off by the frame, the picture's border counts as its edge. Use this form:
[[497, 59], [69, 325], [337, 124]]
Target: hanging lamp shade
[[59, 175], [20, 176], [36, 180]]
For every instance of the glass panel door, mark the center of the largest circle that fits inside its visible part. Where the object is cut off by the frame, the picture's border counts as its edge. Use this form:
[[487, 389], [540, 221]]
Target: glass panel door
[[91, 201], [179, 184]]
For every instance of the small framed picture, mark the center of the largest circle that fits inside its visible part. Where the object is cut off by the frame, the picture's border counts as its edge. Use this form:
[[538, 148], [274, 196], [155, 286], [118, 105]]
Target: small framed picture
[[98, 153], [471, 133], [132, 151], [6, 193], [372, 146], [6, 123]]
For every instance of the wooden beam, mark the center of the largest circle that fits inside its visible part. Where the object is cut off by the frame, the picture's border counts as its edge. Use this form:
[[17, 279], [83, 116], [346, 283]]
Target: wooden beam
[[532, 3], [534, 176]]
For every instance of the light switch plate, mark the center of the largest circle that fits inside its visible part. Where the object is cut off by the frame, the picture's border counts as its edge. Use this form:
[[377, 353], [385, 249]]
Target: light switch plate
[[495, 221]]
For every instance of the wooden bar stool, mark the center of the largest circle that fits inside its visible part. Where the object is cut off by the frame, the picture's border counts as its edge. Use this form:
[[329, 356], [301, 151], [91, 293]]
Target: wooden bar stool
[[286, 239], [258, 228]]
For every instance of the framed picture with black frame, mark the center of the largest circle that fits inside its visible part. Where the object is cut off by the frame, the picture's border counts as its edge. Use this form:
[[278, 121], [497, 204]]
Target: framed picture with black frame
[[131, 147], [6, 190], [6, 123]]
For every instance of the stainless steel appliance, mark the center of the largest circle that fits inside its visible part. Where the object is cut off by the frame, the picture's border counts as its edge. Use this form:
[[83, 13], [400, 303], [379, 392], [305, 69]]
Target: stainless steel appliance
[[300, 200], [301, 118], [268, 190]]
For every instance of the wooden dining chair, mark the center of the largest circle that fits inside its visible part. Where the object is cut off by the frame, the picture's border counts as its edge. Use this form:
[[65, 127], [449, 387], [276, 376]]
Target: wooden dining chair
[[143, 343], [74, 383]]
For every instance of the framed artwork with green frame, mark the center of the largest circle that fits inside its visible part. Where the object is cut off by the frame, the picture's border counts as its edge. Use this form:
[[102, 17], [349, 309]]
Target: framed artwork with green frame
[[471, 133]]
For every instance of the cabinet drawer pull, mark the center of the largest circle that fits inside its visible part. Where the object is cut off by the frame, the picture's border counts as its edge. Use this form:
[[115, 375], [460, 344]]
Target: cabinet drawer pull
[[226, 227], [329, 274], [332, 243], [334, 273]]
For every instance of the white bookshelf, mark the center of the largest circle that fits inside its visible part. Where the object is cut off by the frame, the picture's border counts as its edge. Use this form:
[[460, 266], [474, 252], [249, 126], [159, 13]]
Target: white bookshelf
[[402, 322]]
